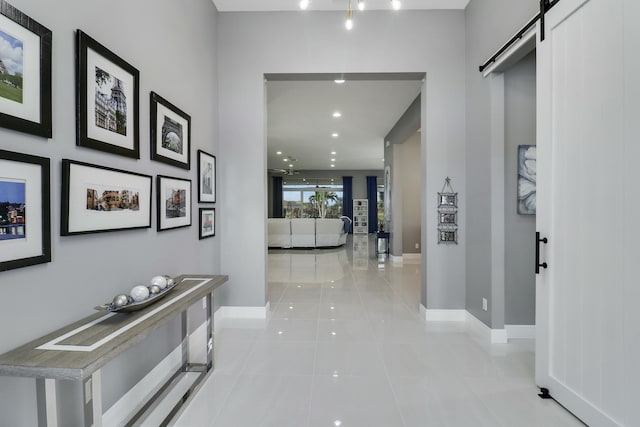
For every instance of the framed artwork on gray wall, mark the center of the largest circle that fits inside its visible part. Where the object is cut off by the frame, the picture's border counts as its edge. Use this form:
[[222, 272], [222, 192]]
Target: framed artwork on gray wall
[[107, 99], [25, 210], [173, 203], [206, 177], [25, 73], [170, 133], [207, 222], [527, 177], [98, 199]]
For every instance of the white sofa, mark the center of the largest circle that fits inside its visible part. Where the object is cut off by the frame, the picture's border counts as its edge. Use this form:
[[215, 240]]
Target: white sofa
[[306, 232]]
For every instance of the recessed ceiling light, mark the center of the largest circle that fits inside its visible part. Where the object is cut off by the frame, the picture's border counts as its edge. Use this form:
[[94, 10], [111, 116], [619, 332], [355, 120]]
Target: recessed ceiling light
[[337, 114], [290, 165], [333, 153], [396, 4], [286, 159], [304, 4], [278, 152], [333, 166], [339, 81], [331, 179], [335, 134], [333, 160]]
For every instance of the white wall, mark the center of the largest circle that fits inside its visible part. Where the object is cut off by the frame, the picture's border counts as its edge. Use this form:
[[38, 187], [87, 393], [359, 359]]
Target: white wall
[[409, 41], [489, 24], [173, 46]]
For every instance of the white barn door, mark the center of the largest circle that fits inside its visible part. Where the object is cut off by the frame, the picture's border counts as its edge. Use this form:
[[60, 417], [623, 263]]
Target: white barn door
[[588, 139]]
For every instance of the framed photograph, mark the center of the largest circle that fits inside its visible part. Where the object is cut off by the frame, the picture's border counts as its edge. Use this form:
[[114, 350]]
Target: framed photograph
[[174, 202], [25, 73], [448, 218], [25, 210], [448, 237], [207, 222], [107, 99], [98, 199], [170, 133], [527, 179], [206, 177], [447, 200]]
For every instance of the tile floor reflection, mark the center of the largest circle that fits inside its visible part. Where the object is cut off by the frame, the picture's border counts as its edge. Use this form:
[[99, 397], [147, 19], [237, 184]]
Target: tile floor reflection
[[345, 346]]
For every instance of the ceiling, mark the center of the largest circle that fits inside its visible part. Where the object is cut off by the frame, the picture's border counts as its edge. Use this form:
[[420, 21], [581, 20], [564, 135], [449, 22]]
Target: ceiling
[[300, 121], [292, 5]]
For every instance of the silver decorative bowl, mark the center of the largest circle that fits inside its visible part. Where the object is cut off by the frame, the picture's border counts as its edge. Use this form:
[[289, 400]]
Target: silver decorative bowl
[[135, 306]]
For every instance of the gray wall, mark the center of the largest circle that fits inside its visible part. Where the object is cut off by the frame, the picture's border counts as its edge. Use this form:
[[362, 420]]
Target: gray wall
[[409, 186], [253, 44], [41, 298], [520, 129], [489, 24]]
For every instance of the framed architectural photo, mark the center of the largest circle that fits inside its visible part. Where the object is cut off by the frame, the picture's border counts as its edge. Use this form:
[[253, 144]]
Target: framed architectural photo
[[174, 202], [527, 179], [448, 218], [447, 200], [207, 222], [97, 199], [25, 73], [25, 212], [448, 237], [170, 133], [107, 99], [206, 177]]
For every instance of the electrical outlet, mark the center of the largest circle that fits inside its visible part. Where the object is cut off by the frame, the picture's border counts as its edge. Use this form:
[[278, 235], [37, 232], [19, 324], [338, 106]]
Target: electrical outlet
[[417, 245], [484, 304]]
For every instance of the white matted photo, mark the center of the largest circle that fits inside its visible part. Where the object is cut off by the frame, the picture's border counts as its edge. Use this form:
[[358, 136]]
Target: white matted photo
[[108, 100], [170, 133], [207, 222], [206, 177], [173, 202], [98, 199]]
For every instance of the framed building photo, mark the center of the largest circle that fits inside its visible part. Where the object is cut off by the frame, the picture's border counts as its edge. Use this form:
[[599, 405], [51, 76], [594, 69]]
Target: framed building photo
[[207, 222], [174, 202], [25, 212], [446, 218], [98, 199], [206, 177], [170, 133], [447, 200], [107, 99], [25, 73]]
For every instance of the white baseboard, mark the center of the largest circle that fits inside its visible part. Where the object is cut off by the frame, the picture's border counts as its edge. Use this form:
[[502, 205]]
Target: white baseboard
[[520, 331], [396, 259], [494, 336], [231, 312], [412, 258], [432, 315], [121, 411]]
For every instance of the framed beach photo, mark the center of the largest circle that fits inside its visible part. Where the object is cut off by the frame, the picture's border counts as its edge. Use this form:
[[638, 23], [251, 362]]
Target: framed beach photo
[[174, 202], [107, 99], [98, 199], [206, 177], [170, 133], [25, 210], [207, 222], [25, 73]]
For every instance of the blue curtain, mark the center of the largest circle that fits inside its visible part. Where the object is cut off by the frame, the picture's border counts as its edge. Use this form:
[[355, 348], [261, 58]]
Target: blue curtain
[[278, 211], [372, 196], [347, 198]]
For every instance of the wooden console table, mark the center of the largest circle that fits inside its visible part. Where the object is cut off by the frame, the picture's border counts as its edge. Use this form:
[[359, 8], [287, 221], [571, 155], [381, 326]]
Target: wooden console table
[[78, 351]]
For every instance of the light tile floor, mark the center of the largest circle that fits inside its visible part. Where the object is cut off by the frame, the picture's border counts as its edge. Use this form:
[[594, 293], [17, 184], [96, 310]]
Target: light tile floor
[[345, 347]]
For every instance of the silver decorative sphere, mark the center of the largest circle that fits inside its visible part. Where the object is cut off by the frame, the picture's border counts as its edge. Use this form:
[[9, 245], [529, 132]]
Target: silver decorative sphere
[[139, 293], [154, 290], [120, 300], [169, 280], [160, 281]]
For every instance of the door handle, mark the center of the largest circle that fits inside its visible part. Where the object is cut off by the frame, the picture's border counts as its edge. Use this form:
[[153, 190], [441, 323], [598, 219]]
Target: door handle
[[538, 241]]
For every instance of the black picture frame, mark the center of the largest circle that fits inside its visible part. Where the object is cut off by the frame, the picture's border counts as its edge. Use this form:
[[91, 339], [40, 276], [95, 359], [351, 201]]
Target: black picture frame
[[173, 202], [104, 115], [206, 177], [168, 134], [207, 223], [30, 110], [98, 199], [27, 177]]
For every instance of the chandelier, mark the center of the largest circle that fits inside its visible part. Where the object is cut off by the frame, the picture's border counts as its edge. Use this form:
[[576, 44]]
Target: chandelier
[[395, 4]]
